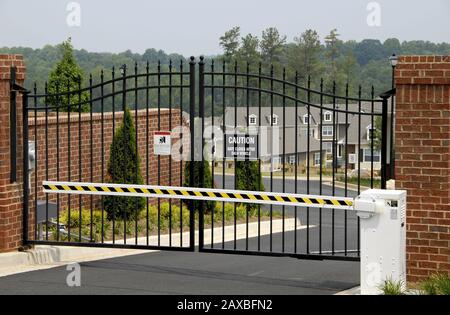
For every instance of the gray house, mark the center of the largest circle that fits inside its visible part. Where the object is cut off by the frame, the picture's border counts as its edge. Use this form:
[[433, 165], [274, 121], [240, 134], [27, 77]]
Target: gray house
[[287, 131]]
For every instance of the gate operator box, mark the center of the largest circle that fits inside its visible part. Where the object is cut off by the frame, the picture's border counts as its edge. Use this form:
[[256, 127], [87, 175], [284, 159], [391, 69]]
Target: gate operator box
[[383, 239]]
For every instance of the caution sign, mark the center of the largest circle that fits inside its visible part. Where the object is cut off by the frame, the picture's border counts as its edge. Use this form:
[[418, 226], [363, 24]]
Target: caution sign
[[162, 143], [242, 146]]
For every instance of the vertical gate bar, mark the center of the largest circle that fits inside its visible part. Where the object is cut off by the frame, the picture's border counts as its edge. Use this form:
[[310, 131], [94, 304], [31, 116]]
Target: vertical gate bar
[[359, 162], [136, 174], [308, 149], [391, 142], [259, 148], [284, 160], [181, 149], [159, 156], [191, 164], [224, 148], [35, 101], [113, 88], [69, 154], [91, 154], [213, 147], [333, 164], [80, 179], [201, 104], [247, 77], [102, 140], [58, 103], [346, 167], [235, 159], [124, 104], [147, 151], [321, 159], [384, 137], [170, 158], [296, 157], [271, 153], [372, 128], [13, 126], [46, 157], [25, 167]]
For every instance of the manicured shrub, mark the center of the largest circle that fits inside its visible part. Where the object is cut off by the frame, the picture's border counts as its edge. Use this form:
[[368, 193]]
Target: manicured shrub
[[124, 168], [208, 206]]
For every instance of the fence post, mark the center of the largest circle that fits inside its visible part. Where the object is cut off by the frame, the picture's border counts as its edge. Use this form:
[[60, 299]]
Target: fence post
[[384, 138], [13, 125], [201, 103], [25, 168], [192, 130]]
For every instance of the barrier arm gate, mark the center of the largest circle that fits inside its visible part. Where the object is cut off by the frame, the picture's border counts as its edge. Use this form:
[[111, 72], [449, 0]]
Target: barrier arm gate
[[382, 214]]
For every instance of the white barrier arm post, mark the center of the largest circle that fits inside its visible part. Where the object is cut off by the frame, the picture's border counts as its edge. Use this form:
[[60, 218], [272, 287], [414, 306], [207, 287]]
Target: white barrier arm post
[[383, 238]]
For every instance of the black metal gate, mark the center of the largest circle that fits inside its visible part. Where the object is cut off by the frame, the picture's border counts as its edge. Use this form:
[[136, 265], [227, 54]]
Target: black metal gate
[[316, 141]]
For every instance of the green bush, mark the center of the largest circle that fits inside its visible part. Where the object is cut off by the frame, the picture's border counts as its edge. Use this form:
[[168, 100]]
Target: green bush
[[437, 284], [207, 181], [124, 168], [391, 287], [74, 222], [248, 177]]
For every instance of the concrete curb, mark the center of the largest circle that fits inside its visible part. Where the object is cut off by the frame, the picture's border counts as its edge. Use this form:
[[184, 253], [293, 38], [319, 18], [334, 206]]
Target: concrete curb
[[352, 291]]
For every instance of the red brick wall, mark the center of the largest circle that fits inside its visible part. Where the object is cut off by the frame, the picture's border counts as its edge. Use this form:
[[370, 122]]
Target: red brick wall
[[48, 145], [10, 193], [422, 165]]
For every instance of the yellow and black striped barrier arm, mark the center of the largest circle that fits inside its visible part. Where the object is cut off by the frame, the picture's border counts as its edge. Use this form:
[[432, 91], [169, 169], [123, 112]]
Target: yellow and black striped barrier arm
[[223, 195]]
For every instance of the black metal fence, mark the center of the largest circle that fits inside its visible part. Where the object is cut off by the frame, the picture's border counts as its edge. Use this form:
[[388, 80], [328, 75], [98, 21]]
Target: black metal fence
[[315, 141]]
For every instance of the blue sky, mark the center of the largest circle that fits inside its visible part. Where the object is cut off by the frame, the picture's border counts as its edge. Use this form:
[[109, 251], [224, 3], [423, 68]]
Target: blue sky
[[192, 27]]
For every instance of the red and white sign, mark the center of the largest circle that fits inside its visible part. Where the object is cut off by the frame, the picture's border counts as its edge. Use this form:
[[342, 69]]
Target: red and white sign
[[162, 143]]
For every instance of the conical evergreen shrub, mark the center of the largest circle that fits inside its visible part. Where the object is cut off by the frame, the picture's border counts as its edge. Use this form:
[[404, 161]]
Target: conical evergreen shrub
[[124, 168]]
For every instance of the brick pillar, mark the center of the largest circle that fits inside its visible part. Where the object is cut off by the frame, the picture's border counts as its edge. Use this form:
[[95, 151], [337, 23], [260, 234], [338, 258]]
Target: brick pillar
[[10, 193], [422, 136]]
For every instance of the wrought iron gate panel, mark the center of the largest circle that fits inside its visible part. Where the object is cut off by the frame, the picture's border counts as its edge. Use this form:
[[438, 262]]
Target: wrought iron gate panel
[[327, 143]]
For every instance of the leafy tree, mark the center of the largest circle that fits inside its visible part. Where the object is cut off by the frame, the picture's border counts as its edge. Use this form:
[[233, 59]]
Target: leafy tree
[[272, 44], [194, 205], [248, 52], [230, 42], [332, 53], [124, 168], [67, 76], [305, 54]]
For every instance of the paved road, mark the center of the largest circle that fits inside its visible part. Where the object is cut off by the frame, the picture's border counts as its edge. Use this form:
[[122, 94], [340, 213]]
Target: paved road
[[277, 186], [345, 222], [192, 273]]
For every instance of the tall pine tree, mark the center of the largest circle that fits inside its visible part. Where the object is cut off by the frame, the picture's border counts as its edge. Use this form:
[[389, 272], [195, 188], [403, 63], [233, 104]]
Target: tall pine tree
[[67, 76]]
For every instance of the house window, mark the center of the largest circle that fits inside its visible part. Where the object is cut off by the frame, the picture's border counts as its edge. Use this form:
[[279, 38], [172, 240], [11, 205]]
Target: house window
[[327, 116], [370, 132], [328, 147], [274, 120], [327, 131], [367, 155], [292, 159], [252, 120], [317, 158], [305, 119]]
